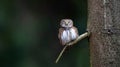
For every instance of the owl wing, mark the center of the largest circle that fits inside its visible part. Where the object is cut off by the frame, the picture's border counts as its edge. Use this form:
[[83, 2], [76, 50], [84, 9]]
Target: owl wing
[[60, 32], [76, 30], [59, 35]]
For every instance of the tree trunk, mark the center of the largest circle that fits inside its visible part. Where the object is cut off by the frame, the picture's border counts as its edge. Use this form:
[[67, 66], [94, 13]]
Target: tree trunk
[[104, 25]]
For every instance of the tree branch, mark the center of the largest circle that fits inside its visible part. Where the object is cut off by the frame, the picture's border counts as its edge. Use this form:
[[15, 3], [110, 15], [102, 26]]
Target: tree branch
[[82, 36]]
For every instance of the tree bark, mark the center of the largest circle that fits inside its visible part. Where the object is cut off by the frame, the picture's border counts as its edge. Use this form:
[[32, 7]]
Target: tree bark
[[104, 25]]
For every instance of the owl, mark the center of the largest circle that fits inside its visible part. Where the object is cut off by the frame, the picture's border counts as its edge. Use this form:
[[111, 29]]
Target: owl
[[67, 32]]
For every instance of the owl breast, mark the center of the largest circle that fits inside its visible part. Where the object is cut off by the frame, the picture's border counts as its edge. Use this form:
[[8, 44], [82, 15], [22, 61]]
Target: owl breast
[[74, 35], [68, 35]]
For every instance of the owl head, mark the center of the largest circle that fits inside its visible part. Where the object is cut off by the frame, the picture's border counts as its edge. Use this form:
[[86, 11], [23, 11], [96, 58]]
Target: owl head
[[66, 23]]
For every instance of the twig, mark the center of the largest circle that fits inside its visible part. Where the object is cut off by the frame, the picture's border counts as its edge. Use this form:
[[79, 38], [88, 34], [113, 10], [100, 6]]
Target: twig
[[61, 53], [82, 36]]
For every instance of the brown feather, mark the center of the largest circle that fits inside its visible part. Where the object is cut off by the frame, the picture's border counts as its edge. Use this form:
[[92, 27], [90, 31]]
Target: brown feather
[[59, 35], [76, 30]]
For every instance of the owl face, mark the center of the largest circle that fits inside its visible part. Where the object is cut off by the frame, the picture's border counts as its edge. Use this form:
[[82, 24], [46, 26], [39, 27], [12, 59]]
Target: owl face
[[66, 23]]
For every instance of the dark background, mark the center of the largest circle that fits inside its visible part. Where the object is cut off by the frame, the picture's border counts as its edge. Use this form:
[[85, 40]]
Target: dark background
[[29, 33]]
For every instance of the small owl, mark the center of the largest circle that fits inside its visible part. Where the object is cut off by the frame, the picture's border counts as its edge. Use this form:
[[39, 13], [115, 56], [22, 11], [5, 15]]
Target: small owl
[[67, 32]]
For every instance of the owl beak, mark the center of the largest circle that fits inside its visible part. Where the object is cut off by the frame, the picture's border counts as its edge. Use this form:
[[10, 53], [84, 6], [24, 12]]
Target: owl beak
[[66, 23]]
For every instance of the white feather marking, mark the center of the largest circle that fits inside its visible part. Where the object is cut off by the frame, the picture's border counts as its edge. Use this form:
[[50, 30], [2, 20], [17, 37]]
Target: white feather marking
[[65, 36], [73, 34], [68, 35]]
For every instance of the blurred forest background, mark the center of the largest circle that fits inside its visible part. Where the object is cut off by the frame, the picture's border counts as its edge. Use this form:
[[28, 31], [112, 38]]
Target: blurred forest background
[[29, 33]]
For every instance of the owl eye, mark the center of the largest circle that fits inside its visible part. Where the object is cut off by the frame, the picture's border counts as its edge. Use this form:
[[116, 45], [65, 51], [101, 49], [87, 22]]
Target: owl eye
[[69, 22], [63, 21]]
